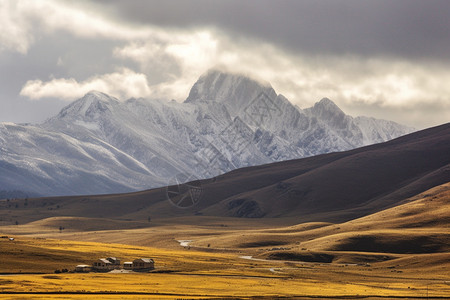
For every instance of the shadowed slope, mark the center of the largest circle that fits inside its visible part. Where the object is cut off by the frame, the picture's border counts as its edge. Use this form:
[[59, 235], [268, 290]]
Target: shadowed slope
[[333, 187]]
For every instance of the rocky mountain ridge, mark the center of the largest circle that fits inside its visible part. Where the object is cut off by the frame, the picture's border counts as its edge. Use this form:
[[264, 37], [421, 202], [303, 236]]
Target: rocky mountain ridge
[[98, 144]]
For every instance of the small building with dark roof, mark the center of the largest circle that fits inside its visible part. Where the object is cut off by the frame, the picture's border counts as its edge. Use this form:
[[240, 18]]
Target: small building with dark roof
[[143, 264], [102, 264], [114, 261], [82, 268], [128, 265]]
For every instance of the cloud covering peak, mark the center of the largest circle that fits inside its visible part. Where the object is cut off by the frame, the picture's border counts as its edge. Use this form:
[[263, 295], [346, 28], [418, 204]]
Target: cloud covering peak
[[381, 58]]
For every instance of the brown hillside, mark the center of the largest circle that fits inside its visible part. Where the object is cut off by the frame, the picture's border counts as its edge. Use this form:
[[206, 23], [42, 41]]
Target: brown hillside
[[334, 187]]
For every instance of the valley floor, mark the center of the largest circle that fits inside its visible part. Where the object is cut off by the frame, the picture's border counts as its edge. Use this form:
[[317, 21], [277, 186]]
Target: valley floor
[[205, 275], [399, 253]]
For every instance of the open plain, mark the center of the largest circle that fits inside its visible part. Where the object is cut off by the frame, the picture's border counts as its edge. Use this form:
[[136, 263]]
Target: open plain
[[402, 252]]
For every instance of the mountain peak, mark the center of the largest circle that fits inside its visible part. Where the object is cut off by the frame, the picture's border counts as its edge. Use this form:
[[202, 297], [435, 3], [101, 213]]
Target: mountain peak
[[232, 89], [327, 103], [326, 108], [141, 144], [215, 74], [94, 95], [91, 104]]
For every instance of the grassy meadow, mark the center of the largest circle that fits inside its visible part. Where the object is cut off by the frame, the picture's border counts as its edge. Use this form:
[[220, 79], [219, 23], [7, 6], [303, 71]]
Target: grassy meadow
[[194, 274], [399, 253]]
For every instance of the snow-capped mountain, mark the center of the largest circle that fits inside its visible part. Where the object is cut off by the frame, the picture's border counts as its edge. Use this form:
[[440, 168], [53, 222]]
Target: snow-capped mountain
[[99, 144]]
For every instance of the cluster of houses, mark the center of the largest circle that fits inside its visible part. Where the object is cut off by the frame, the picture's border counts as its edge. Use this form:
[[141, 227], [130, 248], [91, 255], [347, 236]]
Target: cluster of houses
[[113, 263]]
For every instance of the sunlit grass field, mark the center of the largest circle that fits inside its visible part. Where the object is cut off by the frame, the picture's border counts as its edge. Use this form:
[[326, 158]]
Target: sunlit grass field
[[399, 253], [192, 274]]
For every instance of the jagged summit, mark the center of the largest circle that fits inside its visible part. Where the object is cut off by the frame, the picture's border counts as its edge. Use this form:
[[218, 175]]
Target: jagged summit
[[96, 97], [328, 112], [92, 103], [235, 90], [99, 95], [326, 102], [215, 82], [326, 106], [98, 144]]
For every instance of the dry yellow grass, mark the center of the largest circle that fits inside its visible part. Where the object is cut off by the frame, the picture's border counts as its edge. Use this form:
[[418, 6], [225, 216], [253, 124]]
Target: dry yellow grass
[[203, 272], [194, 274], [45, 255], [178, 286]]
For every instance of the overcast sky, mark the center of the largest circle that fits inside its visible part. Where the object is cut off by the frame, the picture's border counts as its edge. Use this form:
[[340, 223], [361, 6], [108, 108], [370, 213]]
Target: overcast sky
[[386, 59]]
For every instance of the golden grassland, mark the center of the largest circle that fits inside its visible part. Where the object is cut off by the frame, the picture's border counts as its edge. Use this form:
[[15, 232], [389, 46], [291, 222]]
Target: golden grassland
[[197, 275], [369, 257]]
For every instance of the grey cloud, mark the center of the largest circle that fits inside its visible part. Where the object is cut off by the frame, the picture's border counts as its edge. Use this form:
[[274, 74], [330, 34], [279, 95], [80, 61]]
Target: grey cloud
[[420, 116], [406, 28], [81, 59], [325, 34]]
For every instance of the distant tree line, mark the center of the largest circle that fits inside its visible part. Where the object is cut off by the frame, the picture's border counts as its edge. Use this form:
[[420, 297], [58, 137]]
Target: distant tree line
[[15, 194]]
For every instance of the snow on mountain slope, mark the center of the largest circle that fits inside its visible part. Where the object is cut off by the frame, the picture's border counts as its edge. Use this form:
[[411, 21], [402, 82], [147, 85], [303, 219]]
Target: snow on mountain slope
[[53, 163], [99, 144], [233, 89], [377, 131]]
